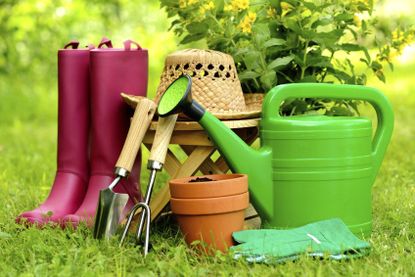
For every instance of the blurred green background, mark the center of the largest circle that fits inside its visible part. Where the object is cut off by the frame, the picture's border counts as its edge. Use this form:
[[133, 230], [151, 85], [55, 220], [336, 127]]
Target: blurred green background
[[33, 30]]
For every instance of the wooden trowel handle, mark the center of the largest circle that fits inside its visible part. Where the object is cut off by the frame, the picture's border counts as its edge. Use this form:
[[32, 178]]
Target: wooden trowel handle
[[143, 115], [162, 137]]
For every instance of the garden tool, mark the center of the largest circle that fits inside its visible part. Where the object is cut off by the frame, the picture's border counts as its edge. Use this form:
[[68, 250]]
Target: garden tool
[[328, 238], [112, 71], [111, 204], [309, 167], [71, 179], [155, 163]]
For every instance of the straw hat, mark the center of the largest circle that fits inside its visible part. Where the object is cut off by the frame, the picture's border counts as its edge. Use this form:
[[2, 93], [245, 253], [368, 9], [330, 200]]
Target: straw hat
[[215, 83]]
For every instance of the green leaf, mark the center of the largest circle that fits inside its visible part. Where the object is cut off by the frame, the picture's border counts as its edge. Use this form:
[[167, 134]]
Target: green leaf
[[169, 3], [327, 38], [364, 61], [322, 22], [280, 62], [268, 79], [190, 38], [299, 106], [368, 58], [309, 79], [252, 59], [344, 16], [349, 47], [197, 28], [248, 75], [261, 33], [310, 6], [339, 74], [322, 64], [219, 4], [339, 111], [275, 3], [380, 75], [274, 42], [174, 22], [376, 66], [292, 23]]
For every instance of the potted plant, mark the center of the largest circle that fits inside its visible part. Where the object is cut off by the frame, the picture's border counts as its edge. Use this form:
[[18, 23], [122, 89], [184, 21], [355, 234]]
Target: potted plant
[[275, 42]]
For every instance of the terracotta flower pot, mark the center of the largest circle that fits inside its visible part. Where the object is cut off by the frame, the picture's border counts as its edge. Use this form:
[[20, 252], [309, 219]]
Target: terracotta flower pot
[[210, 211]]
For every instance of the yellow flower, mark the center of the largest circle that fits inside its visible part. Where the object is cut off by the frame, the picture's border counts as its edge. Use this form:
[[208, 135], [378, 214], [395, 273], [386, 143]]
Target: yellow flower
[[246, 24], [251, 16], [206, 7], [182, 4], [393, 54], [209, 6], [357, 20], [271, 12], [246, 27], [286, 8], [191, 2], [410, 38], [242, 4], [395, 34], [237, 5]]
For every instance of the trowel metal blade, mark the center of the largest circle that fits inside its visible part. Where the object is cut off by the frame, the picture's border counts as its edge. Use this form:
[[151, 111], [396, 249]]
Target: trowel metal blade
[[109, 211]]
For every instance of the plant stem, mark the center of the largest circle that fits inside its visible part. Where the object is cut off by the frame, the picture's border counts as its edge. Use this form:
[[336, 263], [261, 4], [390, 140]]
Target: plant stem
[[257, 84], [304, 67], [325, 72], [286, 77]]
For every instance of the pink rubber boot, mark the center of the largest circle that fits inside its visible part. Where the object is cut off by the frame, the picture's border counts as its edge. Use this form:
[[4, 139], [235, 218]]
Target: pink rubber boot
[[69, 187], [112, 71]]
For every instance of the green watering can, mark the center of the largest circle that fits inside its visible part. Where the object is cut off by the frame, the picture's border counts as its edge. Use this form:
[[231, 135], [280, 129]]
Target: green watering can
[[310, 167]]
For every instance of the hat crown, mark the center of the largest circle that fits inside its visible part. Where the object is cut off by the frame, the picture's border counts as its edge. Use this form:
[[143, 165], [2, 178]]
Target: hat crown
[[215, 83]]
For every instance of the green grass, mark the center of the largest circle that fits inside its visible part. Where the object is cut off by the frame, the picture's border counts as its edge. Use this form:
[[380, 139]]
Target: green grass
[[27, 165]]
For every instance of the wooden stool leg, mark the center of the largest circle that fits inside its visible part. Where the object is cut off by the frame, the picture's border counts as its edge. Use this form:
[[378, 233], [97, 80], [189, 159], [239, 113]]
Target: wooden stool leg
[[188, 168]]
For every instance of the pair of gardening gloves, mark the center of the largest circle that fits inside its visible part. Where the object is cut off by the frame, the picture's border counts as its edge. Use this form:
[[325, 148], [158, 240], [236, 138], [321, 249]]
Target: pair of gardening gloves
[[328, 238]]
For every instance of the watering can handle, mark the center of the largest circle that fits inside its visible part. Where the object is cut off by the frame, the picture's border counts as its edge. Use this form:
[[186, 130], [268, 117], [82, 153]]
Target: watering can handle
[[376, 98]]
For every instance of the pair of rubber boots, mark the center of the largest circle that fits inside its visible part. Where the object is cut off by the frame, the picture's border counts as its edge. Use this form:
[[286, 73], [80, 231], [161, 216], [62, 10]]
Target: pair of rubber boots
[[93, 123]]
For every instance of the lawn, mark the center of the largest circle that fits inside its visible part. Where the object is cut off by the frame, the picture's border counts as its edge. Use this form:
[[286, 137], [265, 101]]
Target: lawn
[[27, 166]]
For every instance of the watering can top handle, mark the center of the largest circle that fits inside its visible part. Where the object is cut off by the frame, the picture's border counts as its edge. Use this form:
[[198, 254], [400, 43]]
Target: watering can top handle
[[377, 99], [278, 94]]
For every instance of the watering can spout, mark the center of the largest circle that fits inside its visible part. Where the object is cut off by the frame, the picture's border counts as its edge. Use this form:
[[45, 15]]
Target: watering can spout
[[240, 157]]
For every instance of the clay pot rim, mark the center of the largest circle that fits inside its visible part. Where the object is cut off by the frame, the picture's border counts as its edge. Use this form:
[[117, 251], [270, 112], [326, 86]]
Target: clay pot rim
[[211, 176], [185, 180], [206, 206], [221, 186]]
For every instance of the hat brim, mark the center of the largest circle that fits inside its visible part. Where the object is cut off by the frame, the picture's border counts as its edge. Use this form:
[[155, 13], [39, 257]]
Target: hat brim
[[252, 109]]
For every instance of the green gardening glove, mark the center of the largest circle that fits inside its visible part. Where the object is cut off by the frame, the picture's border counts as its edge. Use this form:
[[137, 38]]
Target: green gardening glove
[[328, 237]]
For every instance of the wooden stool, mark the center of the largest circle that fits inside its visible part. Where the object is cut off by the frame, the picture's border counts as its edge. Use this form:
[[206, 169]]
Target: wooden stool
[[194, 141]]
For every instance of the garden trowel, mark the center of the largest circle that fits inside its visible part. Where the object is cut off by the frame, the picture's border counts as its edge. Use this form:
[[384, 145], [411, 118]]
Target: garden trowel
[[110, 203]]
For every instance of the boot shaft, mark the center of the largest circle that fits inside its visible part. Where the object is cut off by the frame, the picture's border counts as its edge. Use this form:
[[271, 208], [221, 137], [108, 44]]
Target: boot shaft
[[73, 111], [113, 71]]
